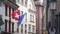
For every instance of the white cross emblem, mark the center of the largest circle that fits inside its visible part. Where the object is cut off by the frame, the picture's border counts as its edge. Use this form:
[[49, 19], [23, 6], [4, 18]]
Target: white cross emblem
[[17, 16]]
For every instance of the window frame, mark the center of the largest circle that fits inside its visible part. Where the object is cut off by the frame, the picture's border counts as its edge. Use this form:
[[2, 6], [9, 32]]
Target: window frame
[[12, 27], [33, 28], [6, 25], [22, 28], [19, 1], [22, 2], [31, 18], [6, 10], [26, 2], [29, 28]]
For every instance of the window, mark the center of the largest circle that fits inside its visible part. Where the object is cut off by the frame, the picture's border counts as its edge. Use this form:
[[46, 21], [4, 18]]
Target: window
[[25, 29], [29, 28], [9, 11], [26, 17], [22, 28], [9, 19], [9, 25], [13, 12], [33, 28], [43, 21], [52, 5], [18, 1], [22, 2], [31, 18], [5, 10], [21, 12], [13, 27], [1, 10], [26, 2], [0, 3], [6, 25], [17, 28], [29, 5]]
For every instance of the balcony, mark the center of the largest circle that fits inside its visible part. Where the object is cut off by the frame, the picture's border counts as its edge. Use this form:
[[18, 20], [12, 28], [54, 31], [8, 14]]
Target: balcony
[[11, 3], [14, 1]]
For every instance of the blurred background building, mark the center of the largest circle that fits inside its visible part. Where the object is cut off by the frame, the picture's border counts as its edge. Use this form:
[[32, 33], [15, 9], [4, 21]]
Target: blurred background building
[[54, 15], [57, 15], [39, 16]]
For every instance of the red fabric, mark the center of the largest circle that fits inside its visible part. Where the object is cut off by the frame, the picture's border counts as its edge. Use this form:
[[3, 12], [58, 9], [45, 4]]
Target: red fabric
[[14, 14]]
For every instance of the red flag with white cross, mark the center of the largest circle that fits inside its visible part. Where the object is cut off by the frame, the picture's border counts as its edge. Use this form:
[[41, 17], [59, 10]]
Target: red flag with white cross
[[16, 15]]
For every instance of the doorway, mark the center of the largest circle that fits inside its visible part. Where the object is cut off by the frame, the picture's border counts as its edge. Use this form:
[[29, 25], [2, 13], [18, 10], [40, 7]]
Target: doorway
[[57, 24]]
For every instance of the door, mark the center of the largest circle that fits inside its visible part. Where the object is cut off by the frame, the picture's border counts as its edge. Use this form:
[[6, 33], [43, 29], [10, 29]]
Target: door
[[57, 24]]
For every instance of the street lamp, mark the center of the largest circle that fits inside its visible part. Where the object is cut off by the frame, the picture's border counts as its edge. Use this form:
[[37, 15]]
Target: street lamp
[[52, 5]]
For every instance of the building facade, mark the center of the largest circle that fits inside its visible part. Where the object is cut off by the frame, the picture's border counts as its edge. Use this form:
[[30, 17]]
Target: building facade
[[57, 16], [6, 8], [31, 17], [28, 7], [53, 15], [44, 17], [39, 14]]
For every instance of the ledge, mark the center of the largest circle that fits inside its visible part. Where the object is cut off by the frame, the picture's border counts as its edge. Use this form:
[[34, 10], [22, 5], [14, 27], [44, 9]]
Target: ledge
[[10, 3], [57, 13], [39, 3], [32, 11], [13, 2]]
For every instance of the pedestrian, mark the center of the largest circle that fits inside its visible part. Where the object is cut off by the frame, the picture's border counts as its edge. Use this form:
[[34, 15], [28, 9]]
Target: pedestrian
[[52, 31]]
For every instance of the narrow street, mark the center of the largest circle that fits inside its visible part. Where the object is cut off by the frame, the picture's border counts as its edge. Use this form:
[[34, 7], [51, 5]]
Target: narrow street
[[29, 16]]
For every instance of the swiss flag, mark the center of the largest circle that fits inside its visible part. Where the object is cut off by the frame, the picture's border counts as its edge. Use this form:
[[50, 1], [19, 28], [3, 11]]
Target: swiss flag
[[16, 15]]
